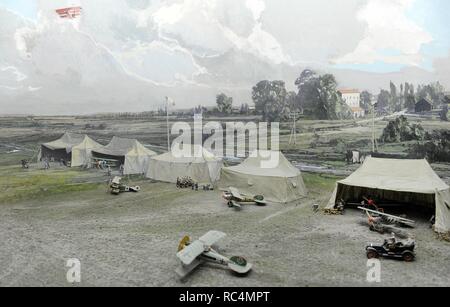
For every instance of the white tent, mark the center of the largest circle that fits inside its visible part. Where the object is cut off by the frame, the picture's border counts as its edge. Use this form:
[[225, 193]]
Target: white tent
[[129, 152], [75, 148], [405, 181], [201, 165], [281, 184]]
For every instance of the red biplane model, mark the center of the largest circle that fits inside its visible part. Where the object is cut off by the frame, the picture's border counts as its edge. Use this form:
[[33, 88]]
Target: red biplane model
[[69, 12]]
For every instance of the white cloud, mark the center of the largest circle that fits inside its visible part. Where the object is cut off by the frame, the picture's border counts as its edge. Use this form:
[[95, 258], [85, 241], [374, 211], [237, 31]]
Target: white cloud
[[136, 50], [390, 37], [257, 7]]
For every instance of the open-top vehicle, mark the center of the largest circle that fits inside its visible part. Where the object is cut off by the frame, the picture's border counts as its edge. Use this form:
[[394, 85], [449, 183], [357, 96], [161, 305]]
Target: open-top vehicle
[[393, 249]]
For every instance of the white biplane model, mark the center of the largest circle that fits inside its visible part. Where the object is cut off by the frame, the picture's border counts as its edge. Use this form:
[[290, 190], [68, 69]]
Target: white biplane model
[[193, 254], [235, 199]]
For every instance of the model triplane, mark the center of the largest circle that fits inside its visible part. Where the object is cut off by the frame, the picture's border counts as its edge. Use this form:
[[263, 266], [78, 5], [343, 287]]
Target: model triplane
[[193, 254], [235, 199], [378, 218]]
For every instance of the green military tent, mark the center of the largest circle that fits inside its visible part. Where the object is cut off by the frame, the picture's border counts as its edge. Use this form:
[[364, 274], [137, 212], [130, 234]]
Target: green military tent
[[201, 165], [411, 182], [129, 152], [74, 148], [279, 183]]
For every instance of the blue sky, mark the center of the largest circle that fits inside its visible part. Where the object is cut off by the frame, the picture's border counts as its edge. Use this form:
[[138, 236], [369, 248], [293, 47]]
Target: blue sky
[[431, 15], [27, 8]]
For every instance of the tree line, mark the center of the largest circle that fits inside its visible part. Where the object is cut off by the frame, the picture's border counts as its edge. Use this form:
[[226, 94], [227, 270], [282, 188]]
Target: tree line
[[404, 97], [318, 97]]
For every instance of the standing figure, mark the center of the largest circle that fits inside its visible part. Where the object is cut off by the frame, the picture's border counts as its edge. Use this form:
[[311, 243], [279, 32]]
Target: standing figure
[[46, 163]]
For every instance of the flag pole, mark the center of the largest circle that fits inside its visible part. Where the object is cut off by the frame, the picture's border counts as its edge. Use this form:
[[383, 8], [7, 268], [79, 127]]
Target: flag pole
[[167, 122]]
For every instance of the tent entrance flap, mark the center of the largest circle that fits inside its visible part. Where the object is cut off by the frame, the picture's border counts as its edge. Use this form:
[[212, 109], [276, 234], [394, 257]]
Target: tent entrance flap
[[356, 194], [118, 159], [56, 154]]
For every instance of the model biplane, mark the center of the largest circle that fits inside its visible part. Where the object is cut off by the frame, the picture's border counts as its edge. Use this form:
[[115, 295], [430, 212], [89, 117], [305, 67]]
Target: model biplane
[[116, 187], [192, 254], [235, 199]]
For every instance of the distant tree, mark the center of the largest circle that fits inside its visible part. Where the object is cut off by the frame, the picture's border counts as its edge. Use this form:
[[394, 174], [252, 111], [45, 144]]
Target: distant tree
[[366, 101], [409, 99], [410, 102], [383, 101], [435, 149], [400, 130], [224, 104], [307, 84], [319, 98], [444, 113], [270, 99], [394, 101], [244, 108], [434, 92], [199, 109]]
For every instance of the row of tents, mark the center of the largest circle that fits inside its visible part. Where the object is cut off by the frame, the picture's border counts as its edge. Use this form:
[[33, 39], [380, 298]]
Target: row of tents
[[80, 150], [281, 184], [401, 181]]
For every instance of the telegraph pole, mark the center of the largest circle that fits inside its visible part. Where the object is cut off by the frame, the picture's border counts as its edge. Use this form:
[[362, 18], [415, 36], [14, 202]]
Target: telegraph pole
[[294, 116], [373, 128], [167, 122]]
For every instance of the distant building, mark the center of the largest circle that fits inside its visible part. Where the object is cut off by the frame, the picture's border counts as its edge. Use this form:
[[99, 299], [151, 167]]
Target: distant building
[[352, 98], [423, 105]]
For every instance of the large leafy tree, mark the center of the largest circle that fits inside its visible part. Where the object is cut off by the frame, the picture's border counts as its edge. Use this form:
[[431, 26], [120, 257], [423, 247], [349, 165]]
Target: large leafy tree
[[270, 99], [319, 98], [224, 104]]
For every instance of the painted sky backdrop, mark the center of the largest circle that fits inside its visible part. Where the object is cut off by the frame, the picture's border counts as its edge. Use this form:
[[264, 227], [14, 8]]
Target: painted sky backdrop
[[430, 16], [196, 48]]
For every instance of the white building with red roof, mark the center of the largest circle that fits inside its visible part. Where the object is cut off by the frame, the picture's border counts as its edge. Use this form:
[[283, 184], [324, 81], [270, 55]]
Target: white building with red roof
[[352, 98]]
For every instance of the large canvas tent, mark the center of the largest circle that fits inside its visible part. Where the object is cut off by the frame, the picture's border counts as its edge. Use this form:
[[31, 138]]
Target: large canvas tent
[[281, 184], [73, 148], [128, 152], [411, 182], [201, 165]]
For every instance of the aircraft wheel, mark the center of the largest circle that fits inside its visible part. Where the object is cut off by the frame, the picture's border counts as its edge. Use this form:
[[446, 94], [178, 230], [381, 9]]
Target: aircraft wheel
[[239, 260]]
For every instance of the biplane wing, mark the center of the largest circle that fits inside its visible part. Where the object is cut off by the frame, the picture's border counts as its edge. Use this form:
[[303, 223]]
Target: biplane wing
[[390, 218], [184, 270], [190, 253], [236, 194], [212, 238]]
